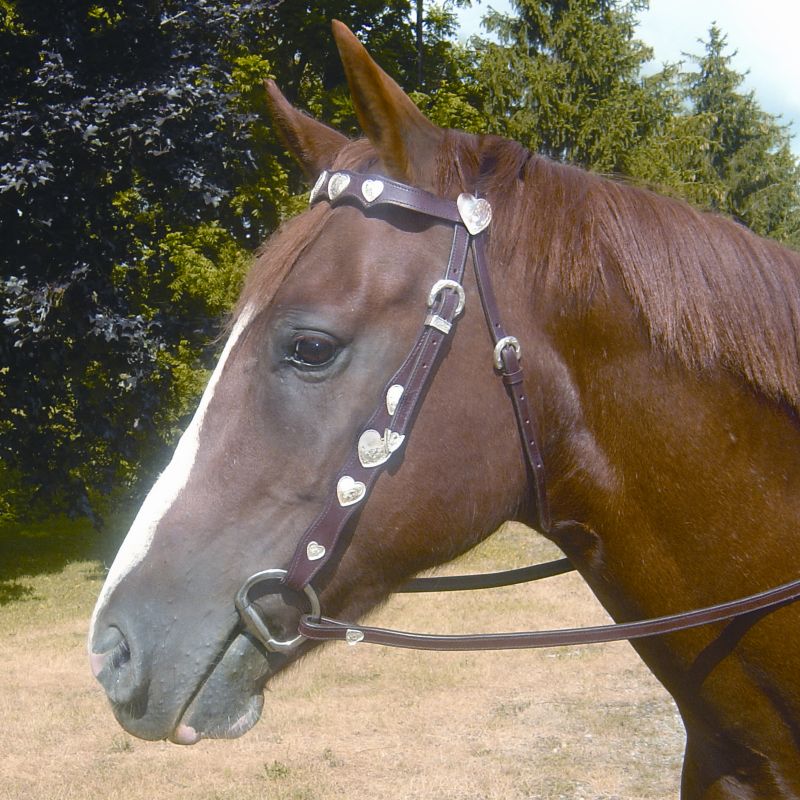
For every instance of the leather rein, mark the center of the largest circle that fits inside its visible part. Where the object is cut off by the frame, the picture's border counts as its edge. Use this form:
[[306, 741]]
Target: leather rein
[[386, 431]]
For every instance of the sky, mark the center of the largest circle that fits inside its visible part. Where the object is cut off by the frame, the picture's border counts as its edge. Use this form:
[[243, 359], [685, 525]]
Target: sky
[[763, 33]]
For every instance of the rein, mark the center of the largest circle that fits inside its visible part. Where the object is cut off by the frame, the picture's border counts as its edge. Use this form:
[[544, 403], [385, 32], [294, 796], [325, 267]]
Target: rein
[[386, 431]]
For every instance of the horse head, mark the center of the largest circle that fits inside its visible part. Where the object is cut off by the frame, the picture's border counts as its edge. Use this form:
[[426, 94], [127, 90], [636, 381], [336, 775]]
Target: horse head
[[332, 306]]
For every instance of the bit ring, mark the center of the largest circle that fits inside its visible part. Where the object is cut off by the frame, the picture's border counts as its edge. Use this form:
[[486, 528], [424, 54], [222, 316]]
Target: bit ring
[[255, 623]]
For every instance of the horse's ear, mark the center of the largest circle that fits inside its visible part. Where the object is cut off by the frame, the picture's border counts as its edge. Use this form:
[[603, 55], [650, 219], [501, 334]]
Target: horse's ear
[[312, 144], [406, 141]]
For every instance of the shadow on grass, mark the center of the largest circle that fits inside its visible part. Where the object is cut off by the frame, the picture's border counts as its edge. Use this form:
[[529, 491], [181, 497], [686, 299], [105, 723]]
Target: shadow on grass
[[46, 547]]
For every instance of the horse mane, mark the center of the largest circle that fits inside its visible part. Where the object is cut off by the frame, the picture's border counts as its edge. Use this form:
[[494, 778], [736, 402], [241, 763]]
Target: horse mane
[[710, 292]]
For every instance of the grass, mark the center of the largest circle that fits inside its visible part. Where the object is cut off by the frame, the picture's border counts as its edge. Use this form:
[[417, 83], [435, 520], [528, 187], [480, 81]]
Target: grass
[[349, 722]]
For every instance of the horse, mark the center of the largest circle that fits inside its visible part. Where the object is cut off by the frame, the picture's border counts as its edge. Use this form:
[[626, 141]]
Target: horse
[[662, 386]]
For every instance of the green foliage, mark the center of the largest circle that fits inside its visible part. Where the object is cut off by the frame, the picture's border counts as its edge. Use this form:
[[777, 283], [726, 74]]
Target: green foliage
[[563, 79], [719, 149], [138, 172], [208, 266], [748, 161]]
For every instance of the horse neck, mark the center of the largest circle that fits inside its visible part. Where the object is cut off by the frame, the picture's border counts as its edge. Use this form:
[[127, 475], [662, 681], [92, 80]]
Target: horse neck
[[663, 467]]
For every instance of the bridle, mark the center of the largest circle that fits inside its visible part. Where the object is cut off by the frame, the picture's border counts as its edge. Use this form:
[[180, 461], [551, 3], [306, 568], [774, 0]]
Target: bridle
[[386, 431]]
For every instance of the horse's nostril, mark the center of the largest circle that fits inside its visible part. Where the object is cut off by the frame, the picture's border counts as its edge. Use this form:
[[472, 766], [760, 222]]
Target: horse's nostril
[[110, 660], [109, 644], [120, 655]]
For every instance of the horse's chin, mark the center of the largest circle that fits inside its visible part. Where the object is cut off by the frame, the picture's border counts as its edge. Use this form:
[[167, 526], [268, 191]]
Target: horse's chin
[[229, 728]]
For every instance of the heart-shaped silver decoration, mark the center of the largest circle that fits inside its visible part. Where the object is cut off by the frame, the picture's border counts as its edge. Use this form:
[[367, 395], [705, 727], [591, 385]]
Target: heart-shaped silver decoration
[[353, 636], [337, 184], [475, 213], [392, 440], [393, 395], [372, 449], [371, 189], [315, 551], [349, 491], [317, 186]]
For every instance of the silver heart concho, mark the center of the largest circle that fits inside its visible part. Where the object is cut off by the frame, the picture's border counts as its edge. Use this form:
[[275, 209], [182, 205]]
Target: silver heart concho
[[317, 186], [371, 189], [353, 636], [337, 184], [475, 213], [393, 395], [315, 551], [374, 449], [349, 491]]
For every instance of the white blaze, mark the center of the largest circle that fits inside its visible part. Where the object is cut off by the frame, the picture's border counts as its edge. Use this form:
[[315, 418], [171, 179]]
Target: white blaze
[[169, 485]]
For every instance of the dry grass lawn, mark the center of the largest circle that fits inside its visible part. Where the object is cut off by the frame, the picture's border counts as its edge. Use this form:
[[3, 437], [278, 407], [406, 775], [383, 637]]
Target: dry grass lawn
[[353, 722]]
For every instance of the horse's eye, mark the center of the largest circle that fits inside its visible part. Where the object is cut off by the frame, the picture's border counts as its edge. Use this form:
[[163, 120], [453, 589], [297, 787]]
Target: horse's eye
[[312, 350]]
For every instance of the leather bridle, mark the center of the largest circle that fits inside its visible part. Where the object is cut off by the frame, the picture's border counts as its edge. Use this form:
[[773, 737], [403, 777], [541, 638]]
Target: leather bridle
[[386, 431]]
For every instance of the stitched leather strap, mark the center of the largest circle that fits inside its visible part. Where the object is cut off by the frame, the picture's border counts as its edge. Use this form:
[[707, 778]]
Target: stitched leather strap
[[351, 186], [328, 629], [513, 379], [319, 542]]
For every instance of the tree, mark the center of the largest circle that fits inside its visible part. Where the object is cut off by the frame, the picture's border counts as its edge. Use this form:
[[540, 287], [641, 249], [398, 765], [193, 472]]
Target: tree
[[748, 158], [135, 179], [564, 79], [720, 150], [449, 92], [113, 133]]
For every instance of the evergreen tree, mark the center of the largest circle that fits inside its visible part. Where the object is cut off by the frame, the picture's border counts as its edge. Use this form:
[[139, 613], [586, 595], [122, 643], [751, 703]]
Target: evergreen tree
[[720, 150], [564, 79], [748, 157]]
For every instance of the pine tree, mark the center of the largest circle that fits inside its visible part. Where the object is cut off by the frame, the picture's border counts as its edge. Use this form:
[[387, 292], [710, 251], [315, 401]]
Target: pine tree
[[564, 79], [748, 154], [721, 150]]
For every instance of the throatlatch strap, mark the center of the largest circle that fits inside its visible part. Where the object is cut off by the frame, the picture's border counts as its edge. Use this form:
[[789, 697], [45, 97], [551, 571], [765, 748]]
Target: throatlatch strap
[[513, 378]]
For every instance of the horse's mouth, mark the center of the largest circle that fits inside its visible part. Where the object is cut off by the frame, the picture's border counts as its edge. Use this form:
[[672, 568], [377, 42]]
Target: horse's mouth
[[224, 700], [229, 701]]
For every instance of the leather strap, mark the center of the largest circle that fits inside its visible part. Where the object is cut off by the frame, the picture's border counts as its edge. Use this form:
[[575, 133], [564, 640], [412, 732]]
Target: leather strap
[[488, 580], [319, 542], [351, 186], [329, 629], [513, 379]]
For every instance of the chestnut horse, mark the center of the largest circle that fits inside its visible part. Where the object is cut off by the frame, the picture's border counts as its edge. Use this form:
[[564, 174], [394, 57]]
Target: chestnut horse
[[663, 374]]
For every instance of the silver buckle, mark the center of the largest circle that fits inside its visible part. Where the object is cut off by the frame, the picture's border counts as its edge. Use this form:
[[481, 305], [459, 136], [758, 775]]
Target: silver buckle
[[506, 341], [446, 283]]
